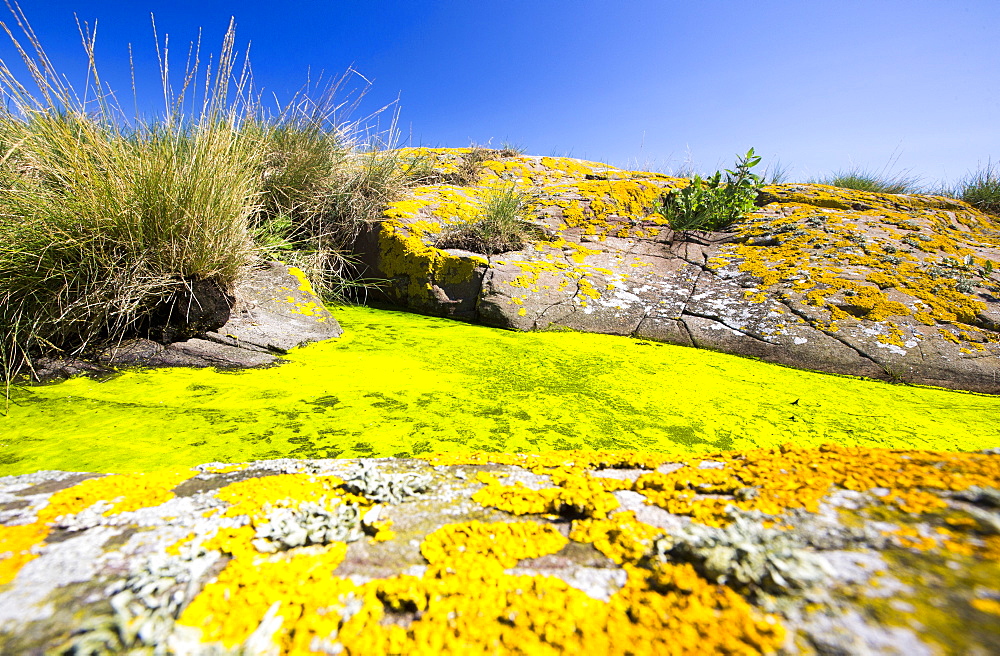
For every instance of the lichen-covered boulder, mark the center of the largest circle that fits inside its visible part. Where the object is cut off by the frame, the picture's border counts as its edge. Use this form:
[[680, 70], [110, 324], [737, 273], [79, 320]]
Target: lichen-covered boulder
[[275, 311], [272, 310], [896, 287], [790, 550]]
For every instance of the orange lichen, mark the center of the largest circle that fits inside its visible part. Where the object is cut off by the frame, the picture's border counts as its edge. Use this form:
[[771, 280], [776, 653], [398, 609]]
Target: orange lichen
[[780, 479], [991, 606], [503, 542], [15, 548], [622, 538], [575, 494], [463, 605], [229, 609], [120, 493]]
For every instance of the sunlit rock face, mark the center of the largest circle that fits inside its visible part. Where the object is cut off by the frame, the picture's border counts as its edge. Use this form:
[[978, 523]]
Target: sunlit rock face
[[895, 287], [831, 550], [271, 310]]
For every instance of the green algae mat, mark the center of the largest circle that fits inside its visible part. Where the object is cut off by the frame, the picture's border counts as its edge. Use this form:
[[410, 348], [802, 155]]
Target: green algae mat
[[404, 385]]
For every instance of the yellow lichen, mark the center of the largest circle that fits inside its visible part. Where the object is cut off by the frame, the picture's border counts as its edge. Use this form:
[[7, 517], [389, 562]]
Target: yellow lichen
[[622, 538], [503, 542], [121, 493]]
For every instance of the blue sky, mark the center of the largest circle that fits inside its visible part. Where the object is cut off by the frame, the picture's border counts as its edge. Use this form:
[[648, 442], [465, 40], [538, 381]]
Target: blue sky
[[817, 86]]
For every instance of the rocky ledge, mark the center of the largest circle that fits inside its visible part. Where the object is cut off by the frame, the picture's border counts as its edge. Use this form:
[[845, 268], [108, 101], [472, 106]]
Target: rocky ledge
[[792, 551], [892, 287], [271, 310]]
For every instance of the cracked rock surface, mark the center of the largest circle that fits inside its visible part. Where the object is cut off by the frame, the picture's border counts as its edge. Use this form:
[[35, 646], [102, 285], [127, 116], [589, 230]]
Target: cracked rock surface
[[893, 287], [789, 551]]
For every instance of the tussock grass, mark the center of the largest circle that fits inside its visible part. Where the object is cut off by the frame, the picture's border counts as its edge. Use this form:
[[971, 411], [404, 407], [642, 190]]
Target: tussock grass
[[881, 181], [501, 226], [981, 189], [102, 221], [105, 219], [320, 188], [863, 180]]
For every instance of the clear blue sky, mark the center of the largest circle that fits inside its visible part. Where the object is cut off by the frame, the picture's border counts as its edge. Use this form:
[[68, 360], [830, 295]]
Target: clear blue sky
[[818, 85]]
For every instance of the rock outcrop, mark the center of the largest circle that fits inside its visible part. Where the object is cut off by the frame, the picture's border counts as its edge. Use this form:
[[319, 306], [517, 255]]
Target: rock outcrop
[[795, 551], [271, 310], [893, 287]]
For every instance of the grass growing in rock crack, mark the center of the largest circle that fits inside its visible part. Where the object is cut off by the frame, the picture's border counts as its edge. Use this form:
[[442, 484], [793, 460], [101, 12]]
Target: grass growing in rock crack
[[501, 227], [107, 218]]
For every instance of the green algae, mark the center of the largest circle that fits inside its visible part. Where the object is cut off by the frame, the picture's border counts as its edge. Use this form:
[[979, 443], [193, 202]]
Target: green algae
[[399, 384]]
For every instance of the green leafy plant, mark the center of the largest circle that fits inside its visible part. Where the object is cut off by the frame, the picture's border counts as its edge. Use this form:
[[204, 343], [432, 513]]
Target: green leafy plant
[[500, 228], [987, 269], [710, 204]]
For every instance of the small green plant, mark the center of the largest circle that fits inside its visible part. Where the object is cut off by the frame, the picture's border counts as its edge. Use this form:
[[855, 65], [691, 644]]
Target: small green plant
[[501, 227], [710, 204], [987, 269]]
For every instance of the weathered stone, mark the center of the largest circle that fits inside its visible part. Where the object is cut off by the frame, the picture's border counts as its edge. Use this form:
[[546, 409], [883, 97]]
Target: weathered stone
[[273, 310], [199, 306], [120, 573], [887, 286]]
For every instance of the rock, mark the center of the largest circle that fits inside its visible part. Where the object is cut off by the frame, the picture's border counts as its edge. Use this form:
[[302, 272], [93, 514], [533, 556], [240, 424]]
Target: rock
[[457, 548], [886, 286], [273, 310], [198, 307]]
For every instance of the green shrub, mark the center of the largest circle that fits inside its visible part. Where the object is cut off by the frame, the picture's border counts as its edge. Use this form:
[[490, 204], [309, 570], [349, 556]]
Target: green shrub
[[499, 229], [709, 204]]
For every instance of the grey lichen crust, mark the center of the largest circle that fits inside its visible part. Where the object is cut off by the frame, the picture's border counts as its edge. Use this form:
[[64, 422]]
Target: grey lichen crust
[[816, 570], [310, 523], [381, 487], [746, 556]]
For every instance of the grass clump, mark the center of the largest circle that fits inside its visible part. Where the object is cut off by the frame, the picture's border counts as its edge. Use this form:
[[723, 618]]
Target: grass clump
[[880, 182], [107, 220], [500, 227], [862, 180], [982, 189], [319, 189], [710, 204], [472, 163], [102, 222]]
